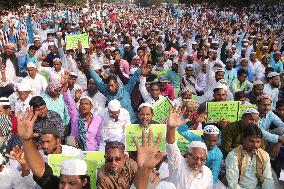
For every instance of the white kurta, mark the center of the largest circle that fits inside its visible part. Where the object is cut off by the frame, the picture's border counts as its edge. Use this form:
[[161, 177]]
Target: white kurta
[[182, 176], [37, 85]]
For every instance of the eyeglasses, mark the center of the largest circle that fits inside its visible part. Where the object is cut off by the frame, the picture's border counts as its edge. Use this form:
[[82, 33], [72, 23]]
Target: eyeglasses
[[195, 158], [111, 159]]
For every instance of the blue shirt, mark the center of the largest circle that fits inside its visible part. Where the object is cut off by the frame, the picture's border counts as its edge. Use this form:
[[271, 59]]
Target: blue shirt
[[122, 95], [265, 123], [278, 66], [230, 76], [214, 156]]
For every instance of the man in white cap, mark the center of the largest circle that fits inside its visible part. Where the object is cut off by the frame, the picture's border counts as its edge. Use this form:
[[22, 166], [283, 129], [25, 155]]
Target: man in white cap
[[35, 82], [256, 91], [85, 126], [167, 62], [114, 119], [55, 72], [72, 171], [24, 94], [210, 138], [73, 86], [272, 87], [190, 172]]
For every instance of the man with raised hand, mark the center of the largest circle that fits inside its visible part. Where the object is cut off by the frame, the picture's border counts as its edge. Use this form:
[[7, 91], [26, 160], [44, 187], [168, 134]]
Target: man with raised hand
[[190, 172]]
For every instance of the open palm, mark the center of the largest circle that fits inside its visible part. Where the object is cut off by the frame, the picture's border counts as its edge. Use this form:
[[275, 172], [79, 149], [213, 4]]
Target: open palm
[[175, 118], [147, 154], [25, 124]]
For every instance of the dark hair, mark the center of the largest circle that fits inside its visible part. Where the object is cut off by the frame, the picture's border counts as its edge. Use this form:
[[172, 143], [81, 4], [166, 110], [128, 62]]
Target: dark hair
[[140, 48], [111, 78], [279, 103], [114, 145], [242, 71], [239, 95], [154, 83], [37, 101], [51, 129], [88, 185], [32, 47], [217, 89], [252, 130], [117, 50]]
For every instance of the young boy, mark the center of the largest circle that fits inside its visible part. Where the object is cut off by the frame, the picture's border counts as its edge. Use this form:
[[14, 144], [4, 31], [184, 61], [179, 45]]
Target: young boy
[[22, 103]]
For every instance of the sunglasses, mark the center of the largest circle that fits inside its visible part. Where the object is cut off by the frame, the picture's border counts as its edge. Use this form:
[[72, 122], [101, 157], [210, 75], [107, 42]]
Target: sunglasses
[[110, 159]]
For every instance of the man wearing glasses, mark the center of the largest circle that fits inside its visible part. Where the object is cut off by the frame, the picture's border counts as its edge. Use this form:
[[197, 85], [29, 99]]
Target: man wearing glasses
[[189, 172]]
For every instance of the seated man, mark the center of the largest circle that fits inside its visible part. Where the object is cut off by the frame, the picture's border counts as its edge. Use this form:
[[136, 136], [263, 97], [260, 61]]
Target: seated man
[[241, 83], [248, 166], [210, 137], [232, 134], [190, 172], [114, 119]]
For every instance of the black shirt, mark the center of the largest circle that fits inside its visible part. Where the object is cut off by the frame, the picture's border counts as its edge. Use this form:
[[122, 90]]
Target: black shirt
[[48, 180]]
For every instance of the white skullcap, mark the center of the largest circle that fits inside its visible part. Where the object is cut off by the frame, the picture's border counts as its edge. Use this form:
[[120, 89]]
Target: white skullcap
[[245, 40], [265, 47], [56, 59], [251, 111], [4, 101], [114, 105], [112, 48], [210, 130], [189, 66], [23, 87], [50, 43], [233, 46], [73, 74], [37, 38], [145, 105], [194, 43], [272, 74], [136, 57], [253, 53], [207, 44], [166, 52], [244, 59], [88, 98], [215, 42], [246, 44], [219, 70], [258, 82], [221, 86], [73, 167], [126, 45], [31, 65], [197, 144]]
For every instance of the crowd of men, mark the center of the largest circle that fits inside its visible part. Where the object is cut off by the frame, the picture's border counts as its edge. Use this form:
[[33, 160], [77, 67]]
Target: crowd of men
[[58, 100]]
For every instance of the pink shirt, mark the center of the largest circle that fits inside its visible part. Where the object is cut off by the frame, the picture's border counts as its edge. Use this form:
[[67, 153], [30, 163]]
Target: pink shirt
[[169, 92], [124, 66]]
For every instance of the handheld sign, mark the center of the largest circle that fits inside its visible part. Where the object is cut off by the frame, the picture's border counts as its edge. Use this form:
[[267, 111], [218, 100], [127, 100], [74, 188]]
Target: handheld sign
[[243, 108], [72, 41], [161, 110], [217, 111], [183, 143], [132, 130], [97, 157], [55, 160]]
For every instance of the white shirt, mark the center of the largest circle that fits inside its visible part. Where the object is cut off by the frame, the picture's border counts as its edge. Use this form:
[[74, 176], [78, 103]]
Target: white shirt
[[37, 85], [12, 178], [111, 129], [98, 101], [21, 106], [182, 176], [146, 96]]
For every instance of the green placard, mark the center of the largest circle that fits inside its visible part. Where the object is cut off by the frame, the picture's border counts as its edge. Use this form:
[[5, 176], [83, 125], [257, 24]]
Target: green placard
[[132, 130], [55, 160], [217, 111], [243, 108], [97, 157], [72, 41], [183, 142], [161, 110]]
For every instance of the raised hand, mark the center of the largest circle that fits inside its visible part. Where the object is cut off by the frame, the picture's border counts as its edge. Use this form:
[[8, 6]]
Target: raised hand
[[176, 118], [18, 154], [78, 94], [25, 125], [147, 154]]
